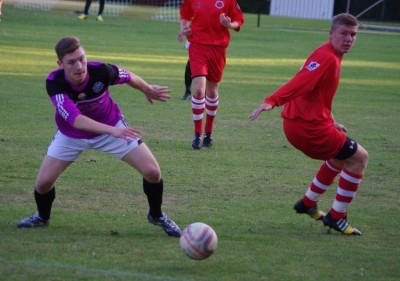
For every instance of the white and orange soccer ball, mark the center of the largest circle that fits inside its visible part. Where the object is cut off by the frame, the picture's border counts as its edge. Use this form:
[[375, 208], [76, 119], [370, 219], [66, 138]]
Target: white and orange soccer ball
[[198, 241]]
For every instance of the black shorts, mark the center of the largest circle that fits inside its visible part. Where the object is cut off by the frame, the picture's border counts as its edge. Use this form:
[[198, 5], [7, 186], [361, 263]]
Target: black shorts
[[348, 149]]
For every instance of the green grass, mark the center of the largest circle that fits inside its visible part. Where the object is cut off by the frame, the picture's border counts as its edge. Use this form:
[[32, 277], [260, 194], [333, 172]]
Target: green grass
[[244, 187]]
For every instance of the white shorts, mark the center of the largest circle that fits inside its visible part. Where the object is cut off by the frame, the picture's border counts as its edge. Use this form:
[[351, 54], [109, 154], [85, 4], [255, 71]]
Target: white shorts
[[68, 149]]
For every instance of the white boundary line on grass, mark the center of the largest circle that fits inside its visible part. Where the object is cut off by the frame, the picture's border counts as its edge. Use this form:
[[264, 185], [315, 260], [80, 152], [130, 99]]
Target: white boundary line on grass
[[142, 276]]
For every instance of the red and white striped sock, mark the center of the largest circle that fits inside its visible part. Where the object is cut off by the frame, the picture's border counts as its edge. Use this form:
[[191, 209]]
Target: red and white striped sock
[[198, 106], [346, 191], [324, 178], [211, 110]]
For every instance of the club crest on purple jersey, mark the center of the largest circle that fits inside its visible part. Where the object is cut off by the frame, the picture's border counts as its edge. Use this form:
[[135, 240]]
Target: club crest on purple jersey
[[98, 87]]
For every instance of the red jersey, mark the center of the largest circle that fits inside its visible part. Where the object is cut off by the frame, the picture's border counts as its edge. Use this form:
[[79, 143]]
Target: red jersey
[[308, 122], [308, 96], [204, 17]]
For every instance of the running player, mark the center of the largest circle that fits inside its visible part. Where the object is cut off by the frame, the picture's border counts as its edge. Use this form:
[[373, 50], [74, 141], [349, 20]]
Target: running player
[[310, 127], [206, 25]]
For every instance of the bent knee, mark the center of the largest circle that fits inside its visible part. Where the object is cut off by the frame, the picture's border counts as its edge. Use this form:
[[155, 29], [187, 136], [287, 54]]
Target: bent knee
[[152, 175], [199, 93], [43, 187], [363, 154], [360, 158]]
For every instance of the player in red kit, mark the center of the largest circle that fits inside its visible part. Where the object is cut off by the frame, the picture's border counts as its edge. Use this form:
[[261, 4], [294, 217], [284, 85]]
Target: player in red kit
[[206, 25], [309, 126]]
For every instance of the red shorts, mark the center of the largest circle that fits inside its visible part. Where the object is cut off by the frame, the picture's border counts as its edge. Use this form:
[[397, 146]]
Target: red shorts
[[322, 143], [208, 61]]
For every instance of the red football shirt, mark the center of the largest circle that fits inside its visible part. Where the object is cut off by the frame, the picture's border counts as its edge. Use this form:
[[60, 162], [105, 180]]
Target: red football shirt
[[204, 18], [307, 100], [308, 95]]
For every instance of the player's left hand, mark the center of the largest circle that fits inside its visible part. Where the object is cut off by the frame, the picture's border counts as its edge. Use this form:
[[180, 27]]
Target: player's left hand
[[160, 93], [126, 133], [340, 128], [225, 20]]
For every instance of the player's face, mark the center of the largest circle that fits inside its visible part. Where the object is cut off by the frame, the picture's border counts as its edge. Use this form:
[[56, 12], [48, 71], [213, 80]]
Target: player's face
[[343, 38], [75, 66]]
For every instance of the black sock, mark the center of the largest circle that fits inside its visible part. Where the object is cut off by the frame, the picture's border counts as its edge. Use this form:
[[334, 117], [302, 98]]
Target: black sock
[[188, 78], [44, 203], [154, 192]]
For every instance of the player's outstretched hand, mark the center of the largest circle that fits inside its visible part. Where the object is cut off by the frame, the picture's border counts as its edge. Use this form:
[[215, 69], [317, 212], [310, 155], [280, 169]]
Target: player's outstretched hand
[[160, 93], [125, 133], [258, 110]]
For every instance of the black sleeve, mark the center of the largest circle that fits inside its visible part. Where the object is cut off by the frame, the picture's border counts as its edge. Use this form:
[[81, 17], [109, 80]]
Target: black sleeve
[[113, 72]]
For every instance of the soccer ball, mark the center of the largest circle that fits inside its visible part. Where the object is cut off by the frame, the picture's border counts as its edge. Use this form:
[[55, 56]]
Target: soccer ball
[[198, 241]]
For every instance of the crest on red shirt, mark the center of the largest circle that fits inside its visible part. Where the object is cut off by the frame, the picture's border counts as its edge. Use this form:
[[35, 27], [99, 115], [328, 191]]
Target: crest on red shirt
[[219, 4], [312, 65]]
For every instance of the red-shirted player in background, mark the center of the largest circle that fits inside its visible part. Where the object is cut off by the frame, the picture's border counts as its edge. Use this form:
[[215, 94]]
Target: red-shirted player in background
[[310, 127], [206, 25]]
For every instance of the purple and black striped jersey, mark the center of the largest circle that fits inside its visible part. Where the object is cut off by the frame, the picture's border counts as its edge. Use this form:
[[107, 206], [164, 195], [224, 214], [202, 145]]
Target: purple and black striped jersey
[[92, 99]]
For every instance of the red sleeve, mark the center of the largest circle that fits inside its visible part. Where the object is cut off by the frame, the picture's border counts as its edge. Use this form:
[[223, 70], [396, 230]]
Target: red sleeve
[[235, 13], [303, 82], [186, 11]]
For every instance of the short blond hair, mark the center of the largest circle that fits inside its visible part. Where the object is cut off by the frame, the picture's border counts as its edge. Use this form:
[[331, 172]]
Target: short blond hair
[[344, 19]]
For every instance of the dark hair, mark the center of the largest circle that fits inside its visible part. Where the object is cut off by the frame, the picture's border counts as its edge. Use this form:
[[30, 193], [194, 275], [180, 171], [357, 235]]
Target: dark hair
[[66, 45], [344, 19]]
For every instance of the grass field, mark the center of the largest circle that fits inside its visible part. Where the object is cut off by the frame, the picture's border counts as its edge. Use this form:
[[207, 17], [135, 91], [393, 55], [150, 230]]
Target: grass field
[[244, 186]]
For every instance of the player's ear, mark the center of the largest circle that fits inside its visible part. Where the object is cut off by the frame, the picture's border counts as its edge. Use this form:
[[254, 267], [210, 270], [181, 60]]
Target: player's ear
[[59, 63], [331, 31]]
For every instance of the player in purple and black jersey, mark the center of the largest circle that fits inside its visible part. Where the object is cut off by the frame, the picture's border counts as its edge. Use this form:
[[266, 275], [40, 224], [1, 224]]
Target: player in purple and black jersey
[[91, 99], [87, 118]]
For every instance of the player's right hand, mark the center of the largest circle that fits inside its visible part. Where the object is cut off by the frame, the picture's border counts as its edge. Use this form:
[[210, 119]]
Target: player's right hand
[[263, 107], [185, 31]]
